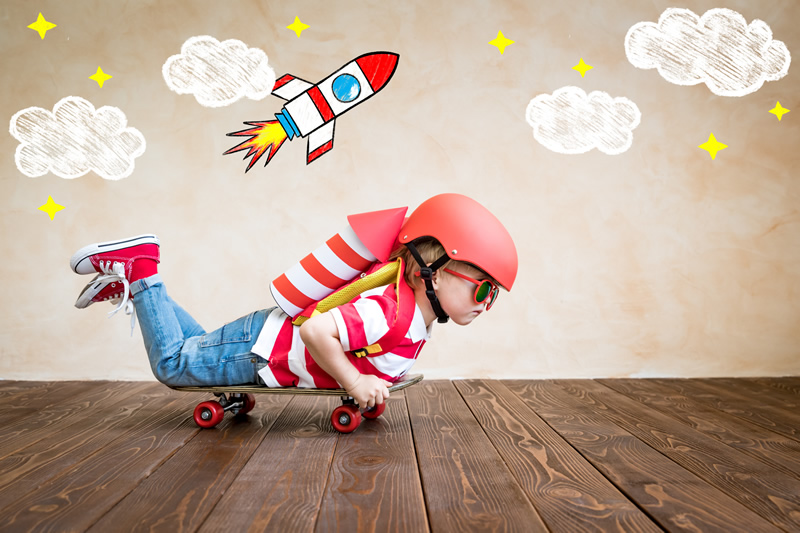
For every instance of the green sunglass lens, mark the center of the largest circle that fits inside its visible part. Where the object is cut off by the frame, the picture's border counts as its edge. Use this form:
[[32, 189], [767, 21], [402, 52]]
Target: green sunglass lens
[[484, 289]]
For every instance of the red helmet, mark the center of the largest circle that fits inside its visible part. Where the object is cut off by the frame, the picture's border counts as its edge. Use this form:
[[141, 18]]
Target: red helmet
[[468, 232]]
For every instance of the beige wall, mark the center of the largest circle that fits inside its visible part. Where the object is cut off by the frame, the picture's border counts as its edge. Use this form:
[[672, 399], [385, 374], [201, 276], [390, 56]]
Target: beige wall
[[655, 262]]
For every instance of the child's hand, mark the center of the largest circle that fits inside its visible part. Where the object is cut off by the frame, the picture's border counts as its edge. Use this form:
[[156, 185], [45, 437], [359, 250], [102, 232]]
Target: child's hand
[[368, 390]]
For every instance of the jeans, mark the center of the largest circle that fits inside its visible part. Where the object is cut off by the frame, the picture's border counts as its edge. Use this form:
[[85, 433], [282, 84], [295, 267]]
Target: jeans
[[182, 353]]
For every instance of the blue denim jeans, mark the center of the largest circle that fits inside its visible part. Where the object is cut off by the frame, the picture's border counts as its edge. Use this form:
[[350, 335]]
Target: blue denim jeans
[[182, 353]]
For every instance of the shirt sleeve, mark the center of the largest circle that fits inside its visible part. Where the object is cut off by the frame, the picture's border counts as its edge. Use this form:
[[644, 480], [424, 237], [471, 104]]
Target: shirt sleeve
[[364, 321]]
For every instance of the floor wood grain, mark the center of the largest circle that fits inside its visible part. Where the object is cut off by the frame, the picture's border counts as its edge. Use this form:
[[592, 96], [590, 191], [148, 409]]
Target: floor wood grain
[[475, 455]]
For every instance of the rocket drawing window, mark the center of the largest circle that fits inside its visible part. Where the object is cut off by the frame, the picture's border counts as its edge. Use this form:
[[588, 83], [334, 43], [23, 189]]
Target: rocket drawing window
[[346, 88]]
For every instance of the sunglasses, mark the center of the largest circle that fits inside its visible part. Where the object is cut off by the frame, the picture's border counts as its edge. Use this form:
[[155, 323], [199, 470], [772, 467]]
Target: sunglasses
[[485, 292]]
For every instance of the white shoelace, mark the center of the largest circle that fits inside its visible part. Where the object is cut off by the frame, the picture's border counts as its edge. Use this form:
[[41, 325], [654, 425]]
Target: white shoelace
[[116, 273]]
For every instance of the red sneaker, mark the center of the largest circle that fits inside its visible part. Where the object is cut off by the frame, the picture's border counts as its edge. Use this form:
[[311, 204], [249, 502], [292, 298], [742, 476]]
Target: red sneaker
[[113, 287], [106, 287], [115, 265], [100, 257]]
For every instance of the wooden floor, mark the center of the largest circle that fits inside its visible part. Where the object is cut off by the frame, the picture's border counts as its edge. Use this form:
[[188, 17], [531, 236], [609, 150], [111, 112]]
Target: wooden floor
[[568, 456]]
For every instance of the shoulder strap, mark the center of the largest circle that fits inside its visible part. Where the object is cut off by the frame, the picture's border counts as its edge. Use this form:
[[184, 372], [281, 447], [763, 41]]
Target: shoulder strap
[[406, 306]]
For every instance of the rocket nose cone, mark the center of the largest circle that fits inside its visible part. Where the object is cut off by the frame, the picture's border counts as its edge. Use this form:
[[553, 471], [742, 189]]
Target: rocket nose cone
[[378, 68]]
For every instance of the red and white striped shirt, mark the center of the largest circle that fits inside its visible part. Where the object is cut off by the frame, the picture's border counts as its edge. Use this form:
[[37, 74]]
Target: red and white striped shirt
[[361, 322]]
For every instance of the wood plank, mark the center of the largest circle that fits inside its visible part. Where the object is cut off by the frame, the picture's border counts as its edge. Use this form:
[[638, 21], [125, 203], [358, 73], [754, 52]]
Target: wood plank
[[13, 386], [281, 486], [374, 482], [768, 416], [183, 491], [45, 459], [777, 451], [41, 396], [787, 383], [673, 496], [33, 389], [467, 485], [758, 392], [44, 423], [755, 485], [569, 493], [82, 494]]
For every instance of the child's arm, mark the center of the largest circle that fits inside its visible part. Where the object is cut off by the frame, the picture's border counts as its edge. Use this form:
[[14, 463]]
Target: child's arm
[[321, 337]]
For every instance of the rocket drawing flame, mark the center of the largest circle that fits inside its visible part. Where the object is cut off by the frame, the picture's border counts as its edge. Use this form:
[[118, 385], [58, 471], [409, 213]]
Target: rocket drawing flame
[[311, 110], [265, 136]]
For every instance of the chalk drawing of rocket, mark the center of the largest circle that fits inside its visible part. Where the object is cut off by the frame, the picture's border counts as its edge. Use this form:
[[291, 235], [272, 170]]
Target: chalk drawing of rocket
[[312, 109]]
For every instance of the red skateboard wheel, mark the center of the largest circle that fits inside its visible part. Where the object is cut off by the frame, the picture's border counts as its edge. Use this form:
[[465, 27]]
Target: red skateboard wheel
[[346, 418], [208, 414]]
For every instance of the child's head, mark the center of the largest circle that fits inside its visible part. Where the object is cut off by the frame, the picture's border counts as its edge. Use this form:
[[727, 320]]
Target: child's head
[[453, 243]]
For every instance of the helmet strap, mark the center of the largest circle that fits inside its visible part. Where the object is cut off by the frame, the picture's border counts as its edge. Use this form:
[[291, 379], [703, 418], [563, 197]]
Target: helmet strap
[[426, 274]]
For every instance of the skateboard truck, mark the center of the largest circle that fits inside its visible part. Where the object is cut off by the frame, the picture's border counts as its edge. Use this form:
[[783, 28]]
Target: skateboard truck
[[209, 414]]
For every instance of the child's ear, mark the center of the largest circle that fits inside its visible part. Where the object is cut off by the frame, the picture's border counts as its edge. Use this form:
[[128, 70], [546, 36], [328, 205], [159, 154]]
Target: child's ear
[[435, 279]]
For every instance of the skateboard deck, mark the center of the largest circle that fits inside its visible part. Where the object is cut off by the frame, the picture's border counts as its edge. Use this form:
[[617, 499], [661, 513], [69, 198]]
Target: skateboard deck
[[240, 399]]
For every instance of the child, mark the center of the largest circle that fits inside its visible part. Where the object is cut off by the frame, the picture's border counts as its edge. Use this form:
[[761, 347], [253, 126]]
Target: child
[[455, 252]]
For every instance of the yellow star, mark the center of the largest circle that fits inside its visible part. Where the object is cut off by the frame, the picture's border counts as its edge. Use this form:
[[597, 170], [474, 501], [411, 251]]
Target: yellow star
[[41, 26], [297, 26], [100, 77], [501, 42], [779, 111], [712, 146], [51, 208], [582, 67]]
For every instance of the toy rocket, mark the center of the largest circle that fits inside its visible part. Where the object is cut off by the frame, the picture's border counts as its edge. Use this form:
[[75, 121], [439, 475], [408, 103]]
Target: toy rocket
[[311, 110], [369, 237]]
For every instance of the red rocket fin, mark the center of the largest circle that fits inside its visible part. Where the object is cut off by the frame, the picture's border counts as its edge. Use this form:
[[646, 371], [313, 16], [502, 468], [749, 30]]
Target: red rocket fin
[[378, 230], [288, 86], [320, 141]]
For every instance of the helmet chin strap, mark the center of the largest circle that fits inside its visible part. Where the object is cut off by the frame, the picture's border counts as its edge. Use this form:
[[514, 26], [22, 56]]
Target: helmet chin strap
[[426, 273]]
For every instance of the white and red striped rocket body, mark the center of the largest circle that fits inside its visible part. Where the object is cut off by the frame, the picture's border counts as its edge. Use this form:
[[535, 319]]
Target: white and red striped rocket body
[[368, 238], [312, 109]]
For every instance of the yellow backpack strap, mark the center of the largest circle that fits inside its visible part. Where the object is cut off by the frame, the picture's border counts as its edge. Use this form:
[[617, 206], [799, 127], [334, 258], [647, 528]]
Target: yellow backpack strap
[[386, 274], [406, 307]]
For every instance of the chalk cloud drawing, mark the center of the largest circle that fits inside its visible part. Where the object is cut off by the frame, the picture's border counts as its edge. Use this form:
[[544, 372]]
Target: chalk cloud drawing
[[571, 122], [219, 73], [719, 49], [74, 139]]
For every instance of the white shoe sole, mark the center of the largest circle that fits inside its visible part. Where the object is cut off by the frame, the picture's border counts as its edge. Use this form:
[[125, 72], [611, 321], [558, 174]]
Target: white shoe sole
[[87, 251]]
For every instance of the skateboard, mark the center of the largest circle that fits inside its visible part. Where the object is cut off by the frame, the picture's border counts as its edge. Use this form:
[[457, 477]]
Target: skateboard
[[240, 399]]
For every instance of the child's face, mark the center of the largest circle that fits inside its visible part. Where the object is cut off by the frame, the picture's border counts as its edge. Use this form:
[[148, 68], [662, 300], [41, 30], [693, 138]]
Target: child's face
[[456, 295]]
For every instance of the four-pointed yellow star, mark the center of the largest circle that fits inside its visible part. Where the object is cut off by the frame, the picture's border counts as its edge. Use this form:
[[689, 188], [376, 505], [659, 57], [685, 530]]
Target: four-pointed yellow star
[[41, 25], [582, 67], [712, 146], [100, 77], [51, 208], [501, 42], [297, 26], [779, 111]]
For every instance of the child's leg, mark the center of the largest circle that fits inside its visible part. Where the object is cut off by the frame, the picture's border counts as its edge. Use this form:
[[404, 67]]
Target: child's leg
[[189, 325], [180, 351], [221, 357]]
